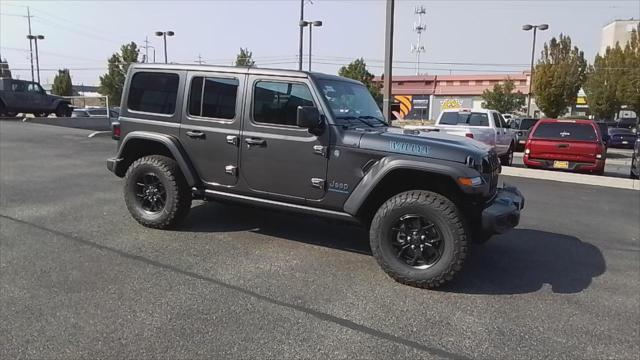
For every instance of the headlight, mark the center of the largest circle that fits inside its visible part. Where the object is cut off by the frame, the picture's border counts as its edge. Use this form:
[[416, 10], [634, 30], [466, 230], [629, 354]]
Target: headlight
[[474, 181]]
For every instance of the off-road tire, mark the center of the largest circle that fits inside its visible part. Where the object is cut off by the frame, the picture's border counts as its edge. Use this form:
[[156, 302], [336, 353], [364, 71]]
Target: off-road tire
[[178, 194], [437, 209], [507, 159], [63, 110]]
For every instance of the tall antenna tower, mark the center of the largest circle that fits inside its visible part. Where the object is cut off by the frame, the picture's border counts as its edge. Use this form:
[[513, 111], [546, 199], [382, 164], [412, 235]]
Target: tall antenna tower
[[418, 27]]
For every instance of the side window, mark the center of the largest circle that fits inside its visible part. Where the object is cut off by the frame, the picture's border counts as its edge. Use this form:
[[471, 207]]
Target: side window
[[496, 120], [503, 122], [478, 119], [33, 87], [213, 97], [19, 86], [153, 92], [277, 102]]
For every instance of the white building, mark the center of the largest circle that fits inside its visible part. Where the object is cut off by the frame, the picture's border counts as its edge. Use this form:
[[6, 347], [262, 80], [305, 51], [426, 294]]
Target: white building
[[617, 31]]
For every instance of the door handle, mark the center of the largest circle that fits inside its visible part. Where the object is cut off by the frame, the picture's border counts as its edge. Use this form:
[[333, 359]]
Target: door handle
[[563, 146], [195, 134], [255, 141]]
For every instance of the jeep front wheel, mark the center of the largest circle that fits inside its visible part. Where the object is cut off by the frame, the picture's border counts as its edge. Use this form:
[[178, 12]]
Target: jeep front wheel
[[156, 193], [63, 110], [418, 238]]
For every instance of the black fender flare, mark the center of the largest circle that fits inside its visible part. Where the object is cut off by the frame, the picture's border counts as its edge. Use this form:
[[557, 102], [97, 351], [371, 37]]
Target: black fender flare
[[171, 143], [57, 103], [386, 165]]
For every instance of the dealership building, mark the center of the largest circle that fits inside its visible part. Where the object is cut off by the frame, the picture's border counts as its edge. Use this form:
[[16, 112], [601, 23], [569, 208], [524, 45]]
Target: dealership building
[[423, 97]]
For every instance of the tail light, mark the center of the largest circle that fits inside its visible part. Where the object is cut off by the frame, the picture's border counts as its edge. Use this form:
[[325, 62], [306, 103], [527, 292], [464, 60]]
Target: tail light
[[115, 134], [469, 135]]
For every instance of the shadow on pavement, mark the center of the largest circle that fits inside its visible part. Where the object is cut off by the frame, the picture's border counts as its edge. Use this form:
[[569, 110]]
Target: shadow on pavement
[[518, 262], [523, 260], [219, 217]]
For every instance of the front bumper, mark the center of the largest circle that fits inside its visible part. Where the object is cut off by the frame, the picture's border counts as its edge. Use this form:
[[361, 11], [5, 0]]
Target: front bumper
[[112, 165], [503, 212]]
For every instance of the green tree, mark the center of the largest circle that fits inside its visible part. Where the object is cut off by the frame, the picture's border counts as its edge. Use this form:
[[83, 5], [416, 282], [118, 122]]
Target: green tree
[[62, 83], [559, 75], [112, 82], [604, 80], [502, 98], [357, 70], [245, 58], [629, 86]]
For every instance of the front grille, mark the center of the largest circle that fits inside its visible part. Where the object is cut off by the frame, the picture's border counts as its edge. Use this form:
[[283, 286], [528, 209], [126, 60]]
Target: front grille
[[490, 169]]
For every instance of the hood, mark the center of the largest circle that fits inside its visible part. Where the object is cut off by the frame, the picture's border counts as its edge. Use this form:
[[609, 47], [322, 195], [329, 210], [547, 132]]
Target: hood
[[429, 144]]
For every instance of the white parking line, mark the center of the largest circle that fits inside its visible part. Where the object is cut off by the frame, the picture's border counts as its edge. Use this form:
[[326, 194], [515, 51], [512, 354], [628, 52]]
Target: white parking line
[[96, 133], [583, 179]]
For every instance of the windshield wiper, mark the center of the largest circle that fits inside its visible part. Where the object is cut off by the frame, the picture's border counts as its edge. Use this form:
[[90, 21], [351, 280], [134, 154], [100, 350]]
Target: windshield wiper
[[359, 118], [374, 118]]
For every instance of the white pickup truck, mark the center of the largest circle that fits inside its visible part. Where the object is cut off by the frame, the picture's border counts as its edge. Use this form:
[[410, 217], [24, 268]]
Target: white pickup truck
[[487, 126]]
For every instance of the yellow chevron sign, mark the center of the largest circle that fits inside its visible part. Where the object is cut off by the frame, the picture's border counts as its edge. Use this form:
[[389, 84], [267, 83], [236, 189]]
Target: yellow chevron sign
[[406, 103]]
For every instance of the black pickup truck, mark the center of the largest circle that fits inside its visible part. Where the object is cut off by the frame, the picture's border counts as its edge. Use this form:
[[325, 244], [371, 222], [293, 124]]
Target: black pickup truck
[[26, 97], [312, 144]]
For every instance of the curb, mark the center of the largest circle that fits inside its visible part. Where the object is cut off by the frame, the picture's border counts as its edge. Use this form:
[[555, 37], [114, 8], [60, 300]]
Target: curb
[[582, 179]]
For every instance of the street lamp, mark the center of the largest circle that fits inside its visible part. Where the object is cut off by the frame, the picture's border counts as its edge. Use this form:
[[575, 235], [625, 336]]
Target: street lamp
[[311, 24], [164, 35], [535, 28], [35, 38]]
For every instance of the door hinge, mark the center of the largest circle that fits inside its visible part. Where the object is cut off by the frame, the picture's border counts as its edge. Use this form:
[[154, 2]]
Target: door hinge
[[320, 150], [231, 170], [232, 139], [317, 183]]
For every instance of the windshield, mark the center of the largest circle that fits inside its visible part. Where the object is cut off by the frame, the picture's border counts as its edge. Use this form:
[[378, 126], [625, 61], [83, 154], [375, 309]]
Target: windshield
[[351, 102], [466, 118]]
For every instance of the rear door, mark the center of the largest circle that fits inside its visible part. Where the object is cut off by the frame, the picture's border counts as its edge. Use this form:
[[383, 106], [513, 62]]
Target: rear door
[[279, 159], [564, 140], [503, 137], [210, 127]]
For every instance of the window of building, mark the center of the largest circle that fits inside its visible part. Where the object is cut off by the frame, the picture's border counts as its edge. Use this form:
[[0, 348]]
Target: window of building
[[153, 92], [213, 97], [277, 102], [456, 83], [472, 82], [443, 83], [486, 82]]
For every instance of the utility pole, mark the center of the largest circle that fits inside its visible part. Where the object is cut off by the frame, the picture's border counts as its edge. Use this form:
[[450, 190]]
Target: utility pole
[[388, 60], [146, 48], [30, 44], [419, 27], [301, 34]]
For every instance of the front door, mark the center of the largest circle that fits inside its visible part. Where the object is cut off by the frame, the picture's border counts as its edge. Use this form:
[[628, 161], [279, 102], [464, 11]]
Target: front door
[[210, 130], [36, 96], [277, 157]]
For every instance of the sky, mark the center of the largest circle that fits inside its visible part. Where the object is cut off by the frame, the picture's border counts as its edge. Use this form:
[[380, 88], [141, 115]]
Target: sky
[[487, 35]]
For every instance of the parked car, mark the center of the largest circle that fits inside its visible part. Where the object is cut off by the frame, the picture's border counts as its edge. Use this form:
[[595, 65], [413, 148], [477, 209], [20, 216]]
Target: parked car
[[627, 123], [312, 144], [20, 96], [94, 112], [621, 138], [521, 128], [635, 159], [487, 126], [571, 145]]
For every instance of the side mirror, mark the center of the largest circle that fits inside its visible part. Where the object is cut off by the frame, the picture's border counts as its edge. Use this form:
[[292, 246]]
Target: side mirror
[[606, 138], [308, 117]]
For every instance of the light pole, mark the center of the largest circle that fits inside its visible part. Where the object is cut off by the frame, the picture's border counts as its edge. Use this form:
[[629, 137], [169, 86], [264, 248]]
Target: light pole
[[164, 35], [535, 28], [311, 24], [301, 34], [35, 38]]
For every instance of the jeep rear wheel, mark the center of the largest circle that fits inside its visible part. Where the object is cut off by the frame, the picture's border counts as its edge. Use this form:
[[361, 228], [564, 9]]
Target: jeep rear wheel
[[418, 238], [63, 110], [156, 193]]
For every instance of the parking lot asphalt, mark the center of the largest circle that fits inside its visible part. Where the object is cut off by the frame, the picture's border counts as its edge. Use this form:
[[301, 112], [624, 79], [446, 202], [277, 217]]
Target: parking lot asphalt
[[79, 278]]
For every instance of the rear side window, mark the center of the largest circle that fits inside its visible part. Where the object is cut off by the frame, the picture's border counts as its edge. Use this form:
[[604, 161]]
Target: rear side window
[[277, 102], [565, 131], [526, 124], [471, 119], [153, 92], [213, 97]]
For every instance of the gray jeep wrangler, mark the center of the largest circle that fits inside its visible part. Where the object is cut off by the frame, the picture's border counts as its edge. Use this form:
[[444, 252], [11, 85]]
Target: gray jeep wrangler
[[20, 96], [308, 143]]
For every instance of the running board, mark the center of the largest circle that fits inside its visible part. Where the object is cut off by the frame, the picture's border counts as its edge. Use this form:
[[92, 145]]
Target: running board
[[276, 205]]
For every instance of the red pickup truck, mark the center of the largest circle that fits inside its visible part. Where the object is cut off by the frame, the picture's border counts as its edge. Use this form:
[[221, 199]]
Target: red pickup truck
[[570, 145]]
